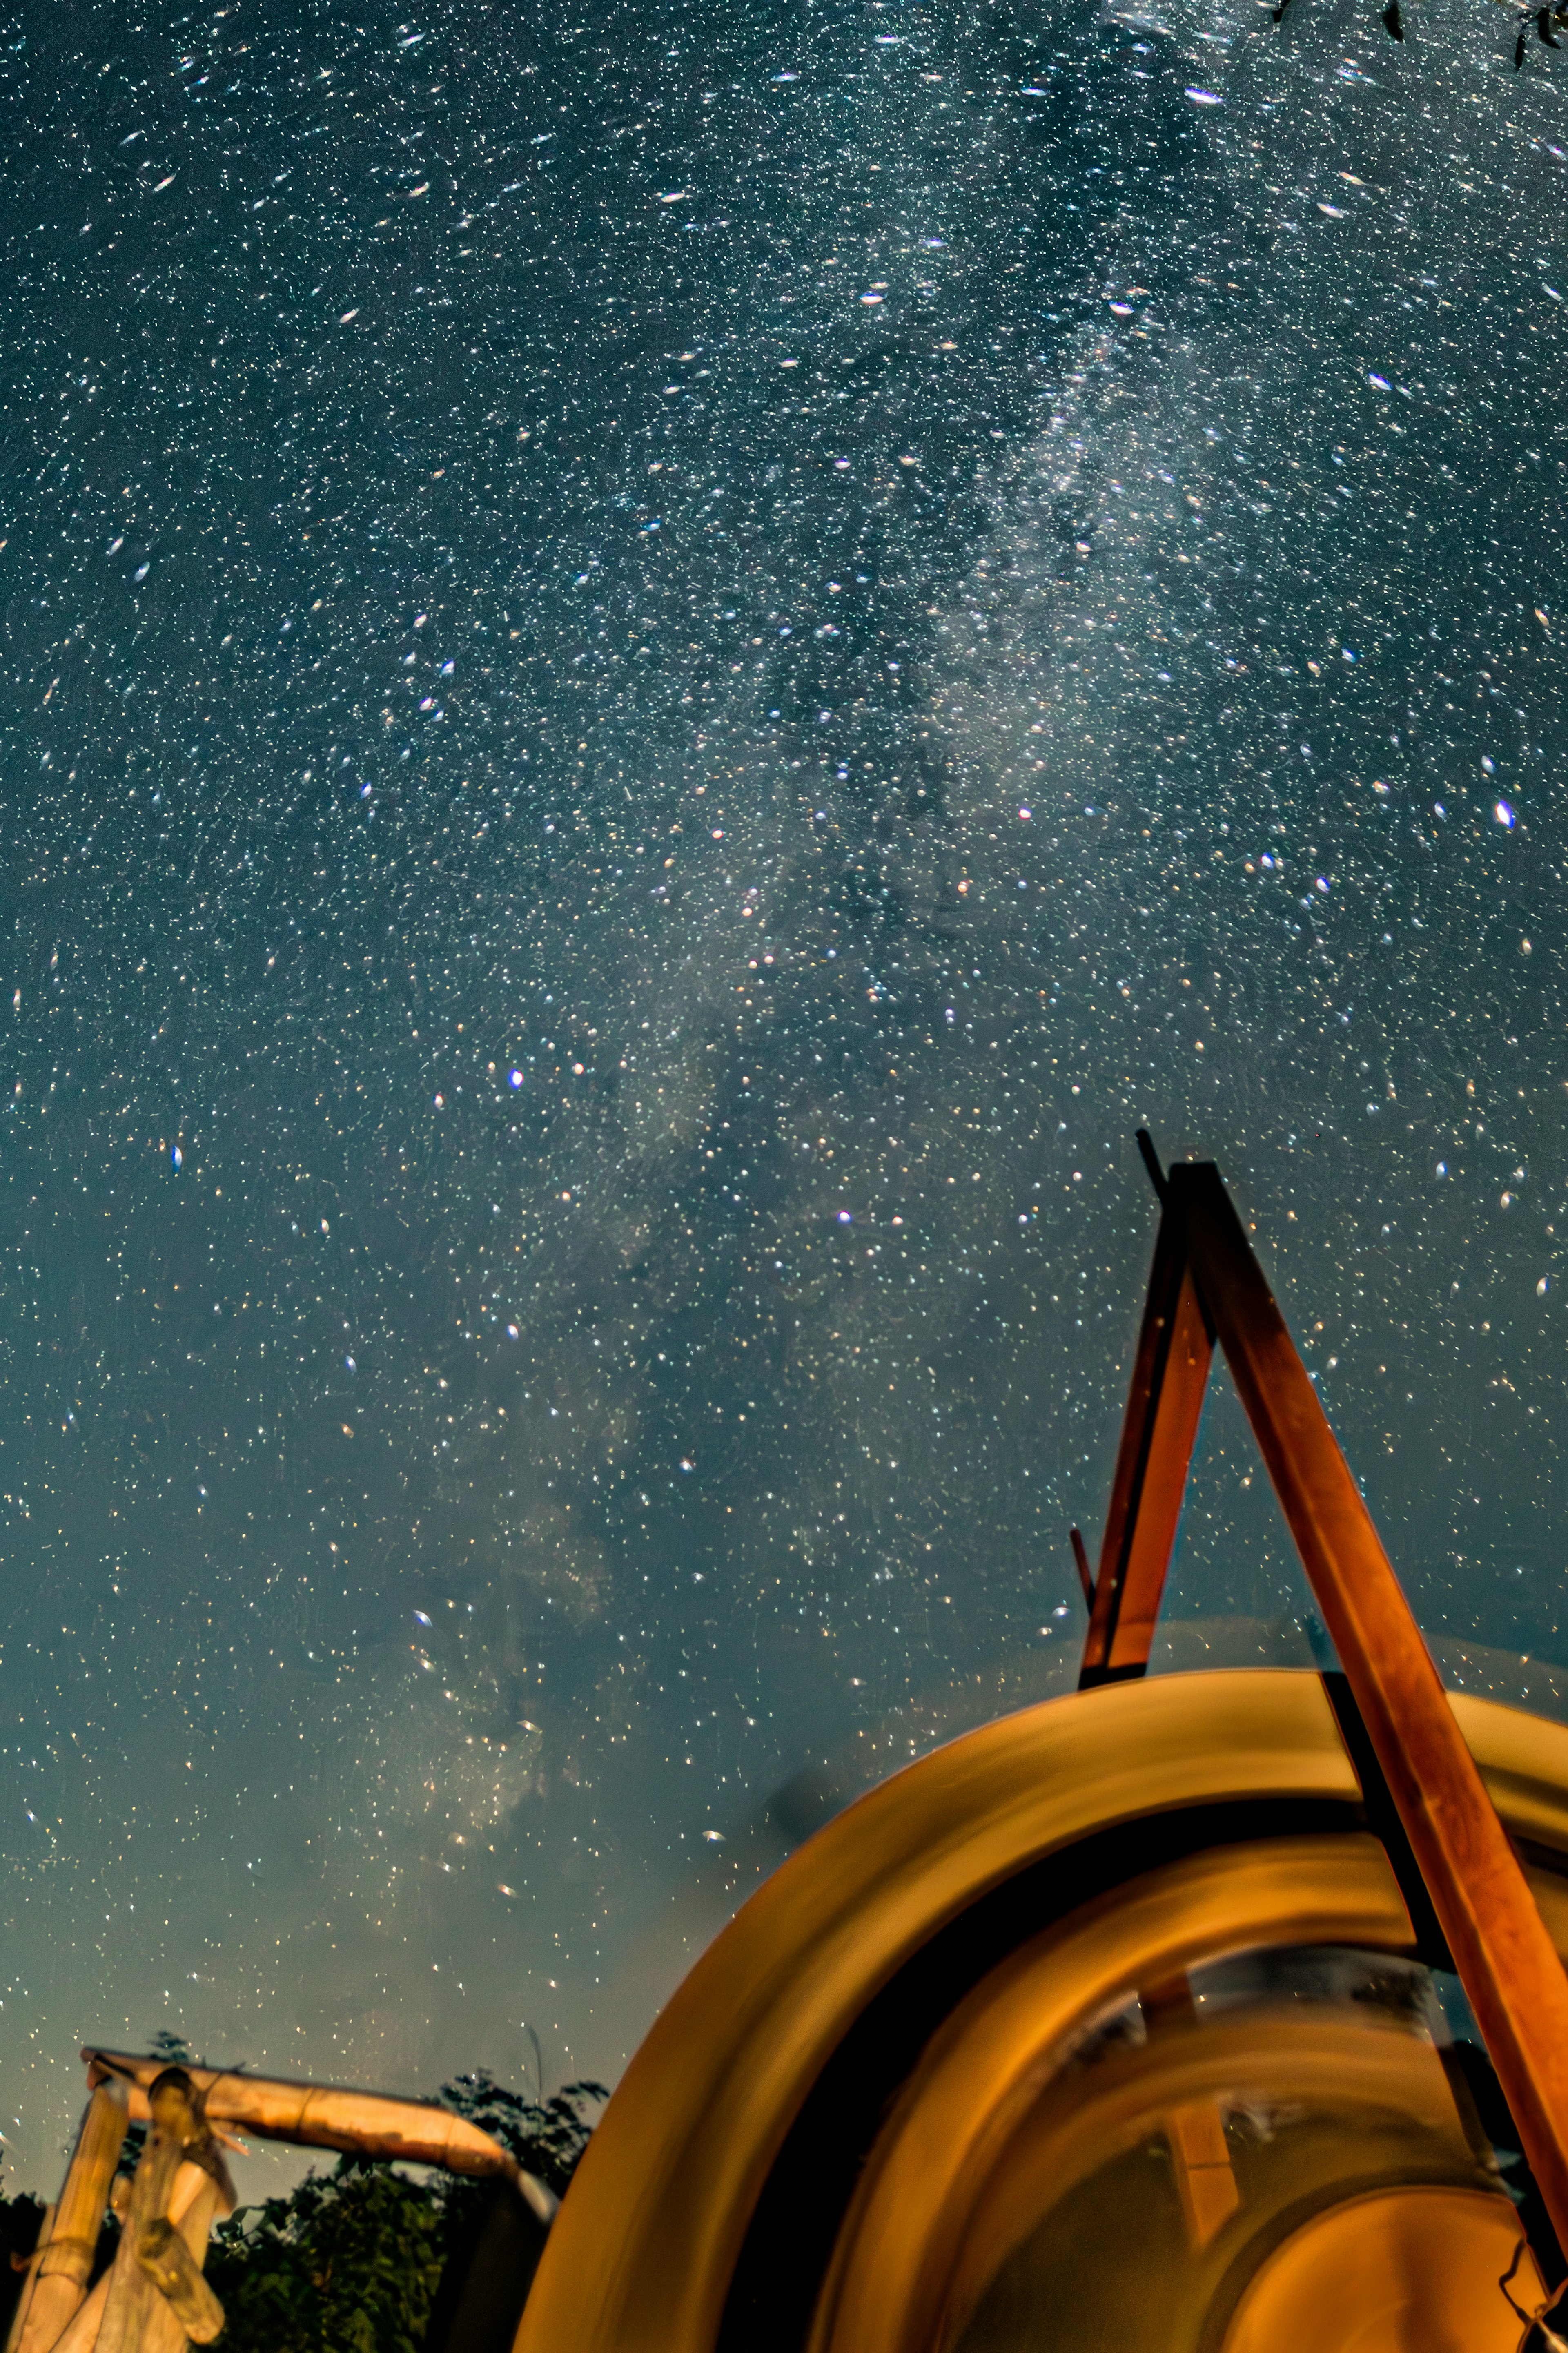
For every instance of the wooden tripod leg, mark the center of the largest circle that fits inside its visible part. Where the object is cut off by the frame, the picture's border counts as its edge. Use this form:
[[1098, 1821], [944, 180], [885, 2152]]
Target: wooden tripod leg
[[1158, 1431], [1509, 1970]]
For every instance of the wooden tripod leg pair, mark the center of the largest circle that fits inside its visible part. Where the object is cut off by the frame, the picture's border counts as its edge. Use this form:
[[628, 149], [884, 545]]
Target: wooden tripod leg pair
[[1207, 1286]]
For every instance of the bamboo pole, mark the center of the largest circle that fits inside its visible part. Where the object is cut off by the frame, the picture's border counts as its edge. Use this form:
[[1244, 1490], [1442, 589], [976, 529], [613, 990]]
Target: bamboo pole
[[328, 2116], [188, 2311], [80, 2334], [136, 2313], [65, 2264]]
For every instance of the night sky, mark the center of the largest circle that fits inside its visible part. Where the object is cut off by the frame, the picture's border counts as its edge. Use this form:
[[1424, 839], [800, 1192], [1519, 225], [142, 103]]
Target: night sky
[[660, 672]]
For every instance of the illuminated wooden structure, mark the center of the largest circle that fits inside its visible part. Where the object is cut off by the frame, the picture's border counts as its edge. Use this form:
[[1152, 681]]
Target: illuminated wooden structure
[[153, 2299], [1111, 2022]]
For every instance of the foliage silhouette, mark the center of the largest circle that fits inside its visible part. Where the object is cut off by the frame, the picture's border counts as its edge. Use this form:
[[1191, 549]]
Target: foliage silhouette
[[20, 2220], [351, 2261], [345, 2263]]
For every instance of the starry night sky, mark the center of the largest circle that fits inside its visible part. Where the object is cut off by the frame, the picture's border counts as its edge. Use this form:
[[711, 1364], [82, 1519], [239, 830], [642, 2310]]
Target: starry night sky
[[660, 672]]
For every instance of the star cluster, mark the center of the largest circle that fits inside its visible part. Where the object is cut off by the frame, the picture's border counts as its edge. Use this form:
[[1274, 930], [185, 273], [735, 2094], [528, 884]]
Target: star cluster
[[662, 672]]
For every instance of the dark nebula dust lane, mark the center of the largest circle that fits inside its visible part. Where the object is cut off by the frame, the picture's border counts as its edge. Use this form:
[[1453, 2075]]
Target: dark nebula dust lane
[[660, 673]]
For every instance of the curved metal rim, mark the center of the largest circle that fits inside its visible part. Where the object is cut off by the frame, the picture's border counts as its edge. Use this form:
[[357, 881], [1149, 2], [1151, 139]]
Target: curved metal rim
[[890, 2288], [645, 2243], [1479, 2228], [1368, 2064]]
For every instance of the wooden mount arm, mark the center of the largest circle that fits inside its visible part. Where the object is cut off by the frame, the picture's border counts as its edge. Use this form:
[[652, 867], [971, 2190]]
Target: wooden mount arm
[[326, 2115], [1207, 1285]]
